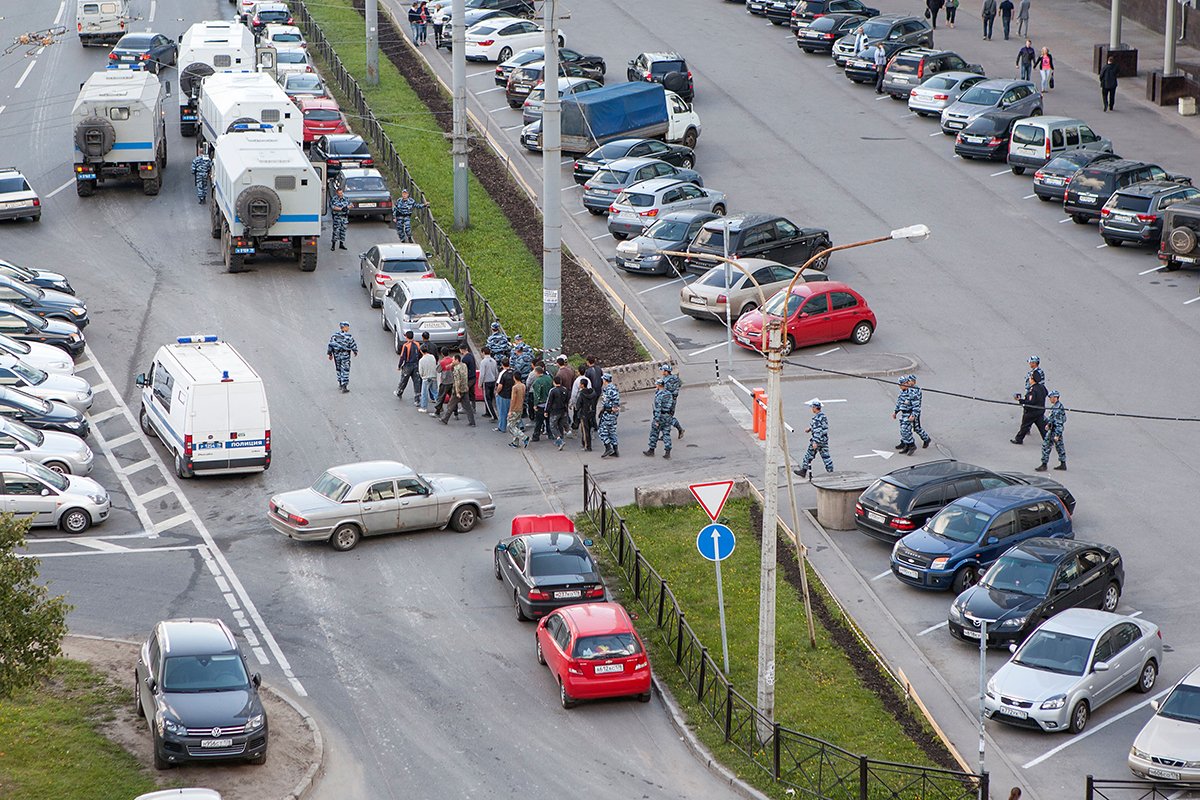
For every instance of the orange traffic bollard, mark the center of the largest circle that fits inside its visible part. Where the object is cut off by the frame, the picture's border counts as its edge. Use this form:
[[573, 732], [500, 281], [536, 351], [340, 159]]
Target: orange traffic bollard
[[759, 414]]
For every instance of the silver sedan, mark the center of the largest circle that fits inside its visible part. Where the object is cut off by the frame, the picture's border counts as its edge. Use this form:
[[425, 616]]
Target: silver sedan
[[940, 91], [69, 389], [65, 453], [372, 497]]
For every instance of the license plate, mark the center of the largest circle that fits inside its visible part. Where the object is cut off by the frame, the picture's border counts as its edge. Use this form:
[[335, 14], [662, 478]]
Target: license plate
[[1165, 774], [604, 669], [1013, 712], [1088, 198], [956, 125], [973, 139], [86, 176], [437, 325], [17, 204], [351, 165], [368, 205], [812, 35], [908, 573], [1186, 259], [520, 90], [1123, 217], [743, 340], [215, 743], [700, 301], [243, 249], [567, 595], [876, 517], [188, 117], [588, 167], [971, 633], [1053, 181]]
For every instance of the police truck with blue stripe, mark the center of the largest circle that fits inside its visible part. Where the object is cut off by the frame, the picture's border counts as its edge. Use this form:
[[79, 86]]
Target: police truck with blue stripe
[[120, 130]]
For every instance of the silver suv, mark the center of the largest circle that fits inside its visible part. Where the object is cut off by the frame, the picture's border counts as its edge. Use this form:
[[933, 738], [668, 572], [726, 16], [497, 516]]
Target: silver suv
[[424, 305], [384, 264], [636, 208], [70, 502]]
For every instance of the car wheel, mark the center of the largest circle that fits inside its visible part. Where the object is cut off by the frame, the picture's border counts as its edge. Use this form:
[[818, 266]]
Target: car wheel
[[345, 537], [620, 237], [75, 521], [1044, 199], [1037, 112], [464, 518], [564, 698], [160, 763], [181, 469], [862, 333], [964, 579], [537, 644], [789, 344], [1079, 716], [1148, 677], [598, 212], [644, 697], [746, 309], [521, 615], [821, 263], [1018, 170], [506, 54], [514, 103], [687, 162], [690, 138], [719, 209], [258, 760], [1079, 219], [144, 420], [1112, 596], [496, 568], [1108, 240], [57, 466]]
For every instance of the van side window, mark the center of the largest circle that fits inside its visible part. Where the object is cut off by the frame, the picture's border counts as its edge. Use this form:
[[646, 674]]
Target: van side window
[[1072, 137], [1056, 138], [1087, 135], [222, 60], [163, 384], [91, 8]]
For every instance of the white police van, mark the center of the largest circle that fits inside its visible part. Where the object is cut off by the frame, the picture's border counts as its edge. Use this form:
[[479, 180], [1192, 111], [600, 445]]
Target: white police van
[[208, 406]]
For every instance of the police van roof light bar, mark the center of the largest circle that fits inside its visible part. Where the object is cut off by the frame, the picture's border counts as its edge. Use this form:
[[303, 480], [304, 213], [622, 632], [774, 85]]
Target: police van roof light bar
[[198, 339]]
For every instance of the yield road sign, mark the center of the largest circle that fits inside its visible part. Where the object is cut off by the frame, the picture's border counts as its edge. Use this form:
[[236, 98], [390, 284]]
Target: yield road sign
[[716, 542], [712, 496]]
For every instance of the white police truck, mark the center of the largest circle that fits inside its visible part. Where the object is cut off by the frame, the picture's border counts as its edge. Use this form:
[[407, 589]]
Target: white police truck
[[267, 197], [101, 21], [120, 130], [208, 406], [205, 48], [250, 100]]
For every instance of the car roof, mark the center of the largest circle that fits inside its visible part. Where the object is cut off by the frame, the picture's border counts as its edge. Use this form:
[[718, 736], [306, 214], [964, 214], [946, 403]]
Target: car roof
[[745, 219], [689, 216], [428, 287], [196, 637], [1047, 121], [14, 464], [138, 36], [820, 287], [342, 137], [1049, 550], [368, 172], [630, 162], [658, 184], [923, 52], [401, 251], [1151, 188], [957, 75], [371, 470], [663, 55], [1003, 498], [558, 541], [1117, 165], [928, 471], [1005, 117], [752, 264], [318, 102], [1001, 83], [13, 170], [1086, 622], [270, 6], [591, 619]]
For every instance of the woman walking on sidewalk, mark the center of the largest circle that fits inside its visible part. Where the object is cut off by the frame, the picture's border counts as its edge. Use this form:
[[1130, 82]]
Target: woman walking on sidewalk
[[951, 11], [1046, 68]]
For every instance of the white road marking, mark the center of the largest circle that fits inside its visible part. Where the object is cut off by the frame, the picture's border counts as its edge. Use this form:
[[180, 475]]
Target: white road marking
[[674, 319], [956, 155], [1029, 197], [136, 466], [601, 236], [483, 72], [25, 74], [61, 8], [103, 415], [1134, 614], [123, 439], [153, 10], [1189, 302], [1001, 172], [936, 133], [827, 352], [494, 110], [2, 109], [66, 185], [660, 285], [250, 637], [173, 522], [569, 188], [103, 546], [1088, 731], [830, 66], [580, 211], [85, 539], [1152, 269], [87, 363], [123, 551], [1061, 221], [566, 161], [1101, 245], [230, 600], [493, 89], [882, 575], [154, 493], [512, 127], [222, 584], [933, 628], [706, 349], [260, 655], [884, 97]]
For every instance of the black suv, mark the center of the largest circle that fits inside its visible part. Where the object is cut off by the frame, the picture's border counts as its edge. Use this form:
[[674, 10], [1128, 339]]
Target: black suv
[[1050, 182], [1091, 186], [341, 151], [758, 236], [987, 136], [1135, 214], [909, 68], [587, 166], [194, 690], [819, 35], [1179, 246], [662, 68], [808, 10], [904, 500], [780, 11]]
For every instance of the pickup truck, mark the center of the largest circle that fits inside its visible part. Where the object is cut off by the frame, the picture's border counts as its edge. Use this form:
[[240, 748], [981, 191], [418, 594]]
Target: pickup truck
[[620, 111]]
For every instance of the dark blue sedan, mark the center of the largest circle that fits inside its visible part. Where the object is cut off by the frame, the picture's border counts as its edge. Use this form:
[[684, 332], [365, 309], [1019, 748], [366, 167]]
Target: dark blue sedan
[[151, 51]]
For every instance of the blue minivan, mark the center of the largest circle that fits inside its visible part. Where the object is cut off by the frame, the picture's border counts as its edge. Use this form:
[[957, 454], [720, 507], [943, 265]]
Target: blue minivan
[[966, 536]]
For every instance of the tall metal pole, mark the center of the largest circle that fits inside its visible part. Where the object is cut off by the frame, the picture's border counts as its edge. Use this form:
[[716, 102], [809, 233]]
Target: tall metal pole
[[1169, 38], [1114, 26], [728, 312], [372, 42], [983, 634], [551, 202], [767, 566], [458, 148]]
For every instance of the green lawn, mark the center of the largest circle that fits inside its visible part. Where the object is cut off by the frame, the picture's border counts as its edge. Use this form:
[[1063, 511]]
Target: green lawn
[[51, 747], [502, 268], [817, 691]]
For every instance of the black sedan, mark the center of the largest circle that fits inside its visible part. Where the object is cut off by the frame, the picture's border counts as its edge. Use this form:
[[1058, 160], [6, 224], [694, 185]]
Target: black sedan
[[1051, 181], [367, 192], [586, 66], [46, 415], [987, 136], [586, 166], [149, 51], [546, 571], [1032, 582], [341, 151], [42, 278], [807, 11], [20, 324], [44, 302], [819, 36]]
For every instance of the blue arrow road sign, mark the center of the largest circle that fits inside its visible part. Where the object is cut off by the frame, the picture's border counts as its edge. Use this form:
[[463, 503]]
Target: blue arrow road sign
[[715, 542]]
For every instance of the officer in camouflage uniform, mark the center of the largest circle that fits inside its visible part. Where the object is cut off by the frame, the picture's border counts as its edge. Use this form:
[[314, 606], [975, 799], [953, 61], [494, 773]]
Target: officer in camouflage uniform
[[498, 344], [663, 416], [908, 411], [1056, 422], [818, 441], [201, 167], [673, 384], [339, 210], [521, 357], [341, 347], [610, 406], [402, 211]]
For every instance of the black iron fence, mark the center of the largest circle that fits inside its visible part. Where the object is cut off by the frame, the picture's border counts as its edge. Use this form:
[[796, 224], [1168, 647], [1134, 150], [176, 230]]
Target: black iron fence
[[1101, 789], [439, 249], [812, 767]]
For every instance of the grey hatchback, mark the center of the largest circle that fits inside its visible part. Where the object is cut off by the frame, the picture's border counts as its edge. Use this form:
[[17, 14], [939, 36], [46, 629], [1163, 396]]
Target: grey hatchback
[[602, 188], [996, 94], [638, 206]]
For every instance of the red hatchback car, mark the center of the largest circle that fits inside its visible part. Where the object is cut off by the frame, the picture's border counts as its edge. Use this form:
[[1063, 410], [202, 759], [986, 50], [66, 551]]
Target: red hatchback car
[[321, 116], [593, 652], [818, 312]]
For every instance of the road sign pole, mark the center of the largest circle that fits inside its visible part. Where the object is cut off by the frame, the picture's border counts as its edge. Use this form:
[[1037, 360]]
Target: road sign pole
[[983, 634], [721, 609]]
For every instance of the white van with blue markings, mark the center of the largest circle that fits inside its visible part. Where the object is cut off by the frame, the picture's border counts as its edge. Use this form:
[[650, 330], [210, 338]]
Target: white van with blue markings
[[231, 101], [120, 130], [208, 406]]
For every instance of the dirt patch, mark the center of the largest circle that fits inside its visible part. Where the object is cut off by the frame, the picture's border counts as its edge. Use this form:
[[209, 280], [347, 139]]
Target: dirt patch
[[863, 661], [589, 323], [291, 748]]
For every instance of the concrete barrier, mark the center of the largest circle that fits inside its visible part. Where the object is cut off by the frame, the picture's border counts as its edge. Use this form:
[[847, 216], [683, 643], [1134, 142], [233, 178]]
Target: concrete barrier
[[679, 494], [837, 492], [637, 377]]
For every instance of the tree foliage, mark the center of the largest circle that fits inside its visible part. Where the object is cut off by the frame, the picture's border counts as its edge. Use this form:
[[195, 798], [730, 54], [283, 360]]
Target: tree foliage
[[32, 622]]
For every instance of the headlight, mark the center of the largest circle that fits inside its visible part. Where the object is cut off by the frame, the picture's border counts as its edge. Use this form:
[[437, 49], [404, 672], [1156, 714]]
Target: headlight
[[74, 425], [1192, 765], [81, 395], [990, 689], [77, 311], [164, 722], [1058, 701], [1015, 622], [939, 563], [955, 612], [254, 723], [1133, 751], [652, 257], [98, 499]]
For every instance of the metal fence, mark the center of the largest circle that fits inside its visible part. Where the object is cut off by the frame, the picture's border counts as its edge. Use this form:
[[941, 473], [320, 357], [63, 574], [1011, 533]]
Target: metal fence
[[438, 248], [812, 767], [1100, 789]]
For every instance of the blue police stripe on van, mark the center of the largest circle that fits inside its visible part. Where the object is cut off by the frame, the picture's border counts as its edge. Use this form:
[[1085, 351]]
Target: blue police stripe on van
[[133, 146]]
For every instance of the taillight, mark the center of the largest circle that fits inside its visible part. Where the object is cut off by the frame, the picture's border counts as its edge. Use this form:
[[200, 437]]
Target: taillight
[[722, 298], [1037, 176], [268, 441], [36, 202], [921, 70], [649, 78], [367, 162], [289, 22], [385, 203], [642, 664], [308, 68], [912, 93], [995, 142], [1141, 217], [112, 56], [651, 213], [486, 43], [941, 97], [1047, 149], [187, 445], [689, 74], [1065, 193], [537, 594], [1104, 212], [79, 27], [333, 162], [145, 56], [596, 592], [613, 210], [428, 274], [903, 524], [858, 510], [574, 669], [831, 36], [381, 278]]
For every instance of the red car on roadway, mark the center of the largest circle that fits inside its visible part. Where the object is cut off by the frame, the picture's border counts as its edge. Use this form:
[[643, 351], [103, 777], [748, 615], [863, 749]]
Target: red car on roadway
[[818, 312], [593, 652], [321, 116]]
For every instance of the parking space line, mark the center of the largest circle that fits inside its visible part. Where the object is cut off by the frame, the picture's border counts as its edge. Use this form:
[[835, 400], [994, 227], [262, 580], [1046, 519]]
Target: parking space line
[[125, 438], [830, 66], [1001, 172], [1134, 614], [136, 466], [154, 494], [566, 161], [1029, 197], [153, 10], [102, 388], [936, 133], [1189, 302], [489, 91], [56, 191], [222, 584], [99, 544], [481, 72], [84, 539], [1152, 269], [706, 349], [123, 551], [883, 97], [230, 600], [580, 211], [103, 415], [87, 363], [674, 319], [494, 110], [511, 127], [660, 285], [1061, 221], [1101, 245], [173, 522], [25, 74], [601, 236], [2, 109], [932, 628], [211, 563], [569, 188], [1086, 732], [882, 575], [827, 352], [260, 655]]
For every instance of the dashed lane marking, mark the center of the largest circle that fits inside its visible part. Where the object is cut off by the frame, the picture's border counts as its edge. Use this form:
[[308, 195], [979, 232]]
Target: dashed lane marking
[[932, 628], [569, 188], [1079, 737], [260, 655], [580, 211], [153, 10], [62, 7], [1001, 172], [884, 97], [25, 74], [56, 191]]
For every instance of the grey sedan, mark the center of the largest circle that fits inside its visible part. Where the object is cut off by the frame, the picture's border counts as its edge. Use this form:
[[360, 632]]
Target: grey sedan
[[367, 192], [939, 91], [44, 497], [995, 94], [373, 497], [601, 189], [531, 109], [641, 204], [673, 231]]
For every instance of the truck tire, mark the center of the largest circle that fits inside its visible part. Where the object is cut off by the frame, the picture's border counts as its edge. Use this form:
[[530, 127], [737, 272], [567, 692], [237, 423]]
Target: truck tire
[[95, 136], [85, 188], [189, 79], [242, 121], [234, 262], [258, 207], [151, 186], [308, 262], [214, 215], [690, 138], [1182, 239]]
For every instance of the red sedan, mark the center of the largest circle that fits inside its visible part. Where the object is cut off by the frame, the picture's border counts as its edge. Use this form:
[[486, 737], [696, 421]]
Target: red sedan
[[593, 652], [817, 313], [321, 116]]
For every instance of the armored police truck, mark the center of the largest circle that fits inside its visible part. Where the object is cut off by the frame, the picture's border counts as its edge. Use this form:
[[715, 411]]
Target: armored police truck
[[205, 48], [120, 130], [230, 99], [267, 197]]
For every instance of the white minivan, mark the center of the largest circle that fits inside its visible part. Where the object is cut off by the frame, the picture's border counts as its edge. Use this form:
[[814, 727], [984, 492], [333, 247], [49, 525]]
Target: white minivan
[[1036, 140], [101, 21], [208, 406]]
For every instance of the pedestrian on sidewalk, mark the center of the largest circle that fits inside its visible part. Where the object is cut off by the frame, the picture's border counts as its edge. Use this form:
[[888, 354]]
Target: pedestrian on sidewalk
[[515, 427], [951, 12], [489, 370], [673, 385], [1108, 84], [1033, 407], [818, 441], [445, 380], [428, 373], [586, 411], [558, 420], [1025, 58], [908, 412], [610, 407], [989, 18], [1023, 18], [932, 7], [423, 30], [1056, 421], [1006, 15], [660, 419], [341, 348], [414, 21], [409, 366], [504, 387], [1046, 68], [460, 388]]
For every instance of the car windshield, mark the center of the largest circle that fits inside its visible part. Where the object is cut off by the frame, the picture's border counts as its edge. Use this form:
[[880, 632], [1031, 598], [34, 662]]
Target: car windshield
[[25, 402], [331, 486], [775, 304], [1183, 703], [404, 265], [636, 199], [526, 58], [612, 177], [17, 184], [1053, 651], [367, 183], [715, 277], [1130, 202], [272, 16], [25, 433], [876, 30], [25, 273], [291, 57], [303, 81], [553, 562], [940, 82], [349, 147], [48, 476], [1020, 575], [664, 67], [888, 497], [14, 346], [959, 523], [669, 230], [322, 115], [218, 673], [608, 645], [824, 24], [32, 375], [426, 306], [981, 96]]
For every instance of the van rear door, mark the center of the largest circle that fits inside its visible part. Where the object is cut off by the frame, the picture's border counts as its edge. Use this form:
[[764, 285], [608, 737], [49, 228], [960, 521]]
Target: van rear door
[[208, 424], [249, 422]]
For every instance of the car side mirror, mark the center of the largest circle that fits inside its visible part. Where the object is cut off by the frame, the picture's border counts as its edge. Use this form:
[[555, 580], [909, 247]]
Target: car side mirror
[[993, 540], [631, 62], [1156, 704], [1012, 647], [45, 492], [502, 547], [1062, 586], [152, 685], [1100, 666], [362, 255], [140, 380], [256, 679]]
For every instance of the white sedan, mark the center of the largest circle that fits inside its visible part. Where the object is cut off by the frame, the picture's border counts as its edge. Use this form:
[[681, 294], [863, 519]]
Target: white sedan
[[282, 36], [498, 38]]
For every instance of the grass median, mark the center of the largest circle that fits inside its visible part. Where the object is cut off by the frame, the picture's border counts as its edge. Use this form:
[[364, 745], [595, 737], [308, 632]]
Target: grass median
[[53, 747], [818, 691]]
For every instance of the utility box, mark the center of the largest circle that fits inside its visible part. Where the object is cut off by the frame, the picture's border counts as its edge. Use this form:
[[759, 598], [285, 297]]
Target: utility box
[[837, 492]]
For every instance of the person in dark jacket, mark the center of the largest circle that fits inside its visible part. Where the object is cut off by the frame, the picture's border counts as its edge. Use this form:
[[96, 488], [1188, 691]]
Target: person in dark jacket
[[468, 358], [989, 17], [1025, 59], [585, 405], [410, 357], [595, 379], [1033, 407], [1006, 14], [556, 411], [932, 7], [1108, 84], [539, 385]]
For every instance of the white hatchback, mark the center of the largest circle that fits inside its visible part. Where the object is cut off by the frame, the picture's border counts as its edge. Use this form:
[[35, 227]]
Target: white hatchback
[[498, 38]]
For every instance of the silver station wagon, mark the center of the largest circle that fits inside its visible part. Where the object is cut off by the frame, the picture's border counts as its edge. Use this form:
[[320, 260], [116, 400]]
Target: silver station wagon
[[373, 497]]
